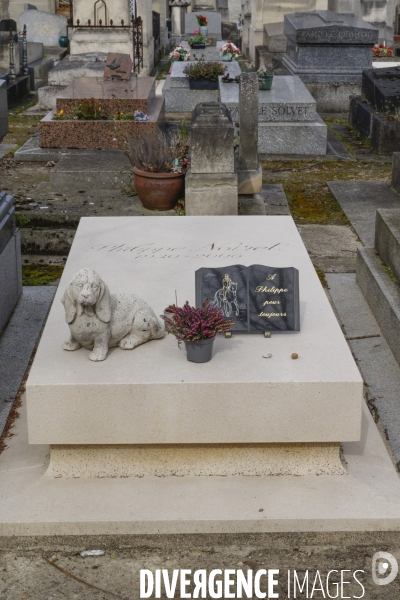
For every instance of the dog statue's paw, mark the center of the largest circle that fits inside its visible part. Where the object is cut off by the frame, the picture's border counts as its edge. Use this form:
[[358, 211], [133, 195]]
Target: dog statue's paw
[[98, 355], [71, 345], [129, 342]]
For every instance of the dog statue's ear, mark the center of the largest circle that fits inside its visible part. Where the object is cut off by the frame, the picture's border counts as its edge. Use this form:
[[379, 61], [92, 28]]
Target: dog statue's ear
[[69, 304], [103, 304]]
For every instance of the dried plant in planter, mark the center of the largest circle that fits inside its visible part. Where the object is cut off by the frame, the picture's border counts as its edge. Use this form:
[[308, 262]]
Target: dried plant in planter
[[154, 152], [191, 324], [159, 167]]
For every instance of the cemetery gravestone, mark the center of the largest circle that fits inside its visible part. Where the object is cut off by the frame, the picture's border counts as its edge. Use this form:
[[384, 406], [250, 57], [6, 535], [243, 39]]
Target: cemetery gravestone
[[375, 114], [214, 24], [287, 119], [211, 182], [118, 66], [326, 48], [315, 399], [178, 95], [3, 109], [43, 27], [10, 260], [110, 39]]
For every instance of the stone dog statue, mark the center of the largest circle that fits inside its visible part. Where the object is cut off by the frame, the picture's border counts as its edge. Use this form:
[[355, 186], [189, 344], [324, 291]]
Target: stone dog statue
[[99, 320]]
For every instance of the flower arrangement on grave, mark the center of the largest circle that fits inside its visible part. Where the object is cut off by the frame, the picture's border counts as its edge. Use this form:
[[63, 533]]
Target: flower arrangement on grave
[[180, 53], [229, 51], [159, 165], [88, 109], [138, 115], [203, 24], [202, 20], [197, 327], [197, 40], [265, 76], [381, 51]]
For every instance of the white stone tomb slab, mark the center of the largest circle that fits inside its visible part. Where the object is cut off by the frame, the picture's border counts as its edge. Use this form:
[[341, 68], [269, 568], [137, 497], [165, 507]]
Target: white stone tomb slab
[[152, 394]]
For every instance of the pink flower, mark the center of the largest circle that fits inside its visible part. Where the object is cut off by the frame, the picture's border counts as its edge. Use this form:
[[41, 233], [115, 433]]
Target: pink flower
[[196, 32], [176, 54]]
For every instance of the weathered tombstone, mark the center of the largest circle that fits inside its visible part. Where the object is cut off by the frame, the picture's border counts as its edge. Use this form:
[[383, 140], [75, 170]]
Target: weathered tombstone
[[5, 50], [374, 114], [249, 169], [211, 182], [118, 66], [10, 260], [3, 109], [42, 26], [101, 39], [329, 52]]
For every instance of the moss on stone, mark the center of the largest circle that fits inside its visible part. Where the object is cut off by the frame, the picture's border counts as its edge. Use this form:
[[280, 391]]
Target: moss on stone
[[322, 277], [36, 274], [21, 129], [305, 184]]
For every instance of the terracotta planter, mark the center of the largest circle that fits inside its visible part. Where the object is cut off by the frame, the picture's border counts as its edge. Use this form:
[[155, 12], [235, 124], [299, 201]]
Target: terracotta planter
[[159, 191]]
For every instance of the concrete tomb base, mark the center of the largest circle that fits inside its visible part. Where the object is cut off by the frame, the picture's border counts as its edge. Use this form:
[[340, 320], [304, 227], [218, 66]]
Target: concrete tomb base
[[195, 460], [287, 119], [211, 194], [250, 182], [114, 96], [114, 426], [33, 503], [126, 400], [178, 95]]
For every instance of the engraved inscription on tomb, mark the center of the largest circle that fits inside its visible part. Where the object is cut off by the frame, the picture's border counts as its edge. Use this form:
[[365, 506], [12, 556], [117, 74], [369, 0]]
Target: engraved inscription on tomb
[[256, 298]]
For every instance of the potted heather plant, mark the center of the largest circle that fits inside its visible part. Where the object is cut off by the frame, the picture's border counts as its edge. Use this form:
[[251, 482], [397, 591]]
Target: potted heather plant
[[197, 327], [203, 25], [229, 51], [204, 75]]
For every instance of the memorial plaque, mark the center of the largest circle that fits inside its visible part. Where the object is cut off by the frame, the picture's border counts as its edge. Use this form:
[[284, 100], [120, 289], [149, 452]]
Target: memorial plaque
[[257, 298], [118, 66]]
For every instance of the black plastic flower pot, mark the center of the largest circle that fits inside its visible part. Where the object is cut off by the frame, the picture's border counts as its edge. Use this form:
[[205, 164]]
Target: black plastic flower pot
[[201, 351], [203, 84], [198, 46]]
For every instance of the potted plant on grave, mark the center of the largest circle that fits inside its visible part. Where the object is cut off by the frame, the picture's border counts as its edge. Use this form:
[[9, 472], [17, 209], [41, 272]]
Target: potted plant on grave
[[159, 167], [197, 41], [265, 77], [203, 25], [180, 53], [204, 75], [229, 51], [197, 327]]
